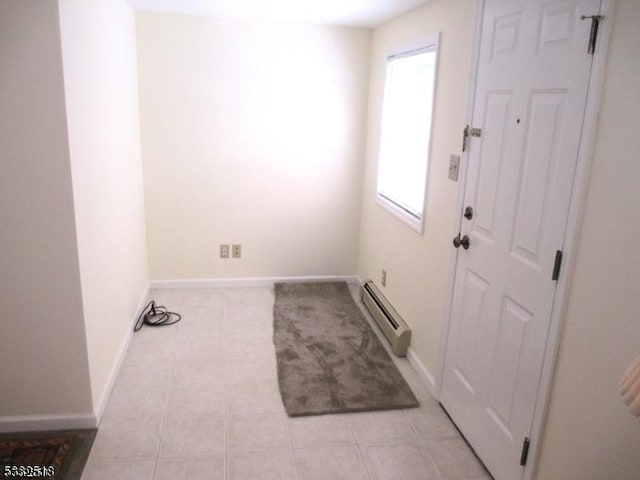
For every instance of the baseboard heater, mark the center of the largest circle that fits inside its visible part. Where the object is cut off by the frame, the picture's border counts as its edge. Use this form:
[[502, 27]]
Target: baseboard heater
[[397, 332]]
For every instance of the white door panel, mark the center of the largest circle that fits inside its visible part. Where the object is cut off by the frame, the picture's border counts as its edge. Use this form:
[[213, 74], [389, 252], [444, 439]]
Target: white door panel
[[532, 84]]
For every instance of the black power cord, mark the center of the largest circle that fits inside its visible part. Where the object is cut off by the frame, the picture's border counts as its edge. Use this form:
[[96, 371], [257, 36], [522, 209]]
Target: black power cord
[[156, 316]]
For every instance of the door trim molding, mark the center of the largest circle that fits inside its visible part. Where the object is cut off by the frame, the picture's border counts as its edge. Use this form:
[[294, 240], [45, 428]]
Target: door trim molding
[[572, 234], [462, 181]]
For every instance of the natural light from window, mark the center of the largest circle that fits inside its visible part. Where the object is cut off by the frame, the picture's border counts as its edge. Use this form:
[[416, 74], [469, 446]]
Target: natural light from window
[[406, 132]]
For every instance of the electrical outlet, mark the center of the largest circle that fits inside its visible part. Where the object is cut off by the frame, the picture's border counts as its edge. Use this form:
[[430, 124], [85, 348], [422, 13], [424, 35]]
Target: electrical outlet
[[224, 251], [236, 250], [383, 279]]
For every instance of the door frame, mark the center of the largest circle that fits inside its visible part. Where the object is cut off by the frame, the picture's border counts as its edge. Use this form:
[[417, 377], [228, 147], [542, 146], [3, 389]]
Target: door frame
[[577, 203]]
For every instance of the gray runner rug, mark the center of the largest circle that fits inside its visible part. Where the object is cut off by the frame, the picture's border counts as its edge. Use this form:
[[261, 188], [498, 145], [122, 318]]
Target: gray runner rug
[[329, 358]]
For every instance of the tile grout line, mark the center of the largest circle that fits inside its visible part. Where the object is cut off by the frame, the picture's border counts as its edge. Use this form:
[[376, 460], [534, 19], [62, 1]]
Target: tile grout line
[[164, 408], [421, 444], [367, 469], [292, 450], [359, 447], [227, 463]]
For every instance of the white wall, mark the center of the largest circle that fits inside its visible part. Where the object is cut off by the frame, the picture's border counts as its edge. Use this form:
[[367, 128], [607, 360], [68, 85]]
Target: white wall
[[417, 265], [43, 357], [252, 133], [100, 74], [589, 433]]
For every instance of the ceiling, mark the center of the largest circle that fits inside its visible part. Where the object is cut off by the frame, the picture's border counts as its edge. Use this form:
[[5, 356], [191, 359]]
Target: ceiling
[[354, 13]]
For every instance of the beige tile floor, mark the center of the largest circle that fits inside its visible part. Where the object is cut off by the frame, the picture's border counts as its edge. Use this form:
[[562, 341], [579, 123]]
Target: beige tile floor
[[200, 400]]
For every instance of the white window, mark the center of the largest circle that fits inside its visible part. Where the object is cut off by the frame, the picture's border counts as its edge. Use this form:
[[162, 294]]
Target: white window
[[407, 113]]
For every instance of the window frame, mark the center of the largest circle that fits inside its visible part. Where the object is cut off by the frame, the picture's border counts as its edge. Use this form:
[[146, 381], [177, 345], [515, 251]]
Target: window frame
[[430, 41]]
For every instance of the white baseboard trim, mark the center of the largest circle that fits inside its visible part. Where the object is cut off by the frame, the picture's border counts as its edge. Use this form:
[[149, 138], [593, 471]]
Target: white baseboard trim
[[33, 423], [246, 281], [122, 352], [423, 372]]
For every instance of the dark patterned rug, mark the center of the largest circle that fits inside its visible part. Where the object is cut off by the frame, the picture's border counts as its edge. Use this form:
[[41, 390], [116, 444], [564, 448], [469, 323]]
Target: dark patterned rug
[[59, 455], [329, 358]]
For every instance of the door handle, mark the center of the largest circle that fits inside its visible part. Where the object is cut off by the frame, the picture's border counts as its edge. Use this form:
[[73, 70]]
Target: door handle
[[464, 241]]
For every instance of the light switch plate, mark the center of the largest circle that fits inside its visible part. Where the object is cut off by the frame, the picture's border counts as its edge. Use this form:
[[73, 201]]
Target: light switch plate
[[454, 167]]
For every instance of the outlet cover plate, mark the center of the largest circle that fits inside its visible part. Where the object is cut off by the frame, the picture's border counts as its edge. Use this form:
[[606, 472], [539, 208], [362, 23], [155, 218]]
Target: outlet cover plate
[[224, 251], [236, 250]]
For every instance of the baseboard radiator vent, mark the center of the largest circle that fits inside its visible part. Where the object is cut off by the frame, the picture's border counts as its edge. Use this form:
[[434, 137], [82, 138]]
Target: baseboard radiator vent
[[397, 332]]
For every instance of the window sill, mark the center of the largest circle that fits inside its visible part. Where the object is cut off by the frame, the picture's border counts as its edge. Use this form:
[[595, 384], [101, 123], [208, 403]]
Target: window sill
[[416, 224]]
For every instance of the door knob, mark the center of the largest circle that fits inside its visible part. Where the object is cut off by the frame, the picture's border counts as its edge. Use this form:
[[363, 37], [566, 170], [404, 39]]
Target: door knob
[[464, 241], [468, 213]]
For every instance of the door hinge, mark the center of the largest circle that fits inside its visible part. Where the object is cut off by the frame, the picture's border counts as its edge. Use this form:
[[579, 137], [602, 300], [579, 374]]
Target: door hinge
[[593, 36], [465, 137], [556, 265], [469, 132], [525, 452]]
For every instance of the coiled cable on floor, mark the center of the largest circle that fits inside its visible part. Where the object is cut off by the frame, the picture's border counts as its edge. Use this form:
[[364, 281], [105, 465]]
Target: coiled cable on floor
[[156, 316]]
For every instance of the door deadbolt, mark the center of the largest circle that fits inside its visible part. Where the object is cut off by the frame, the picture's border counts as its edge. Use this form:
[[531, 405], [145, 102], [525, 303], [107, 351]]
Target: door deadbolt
[[464, 241], [468, 213]]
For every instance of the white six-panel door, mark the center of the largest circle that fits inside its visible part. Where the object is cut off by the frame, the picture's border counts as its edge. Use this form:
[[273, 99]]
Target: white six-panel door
[[533, 77]]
